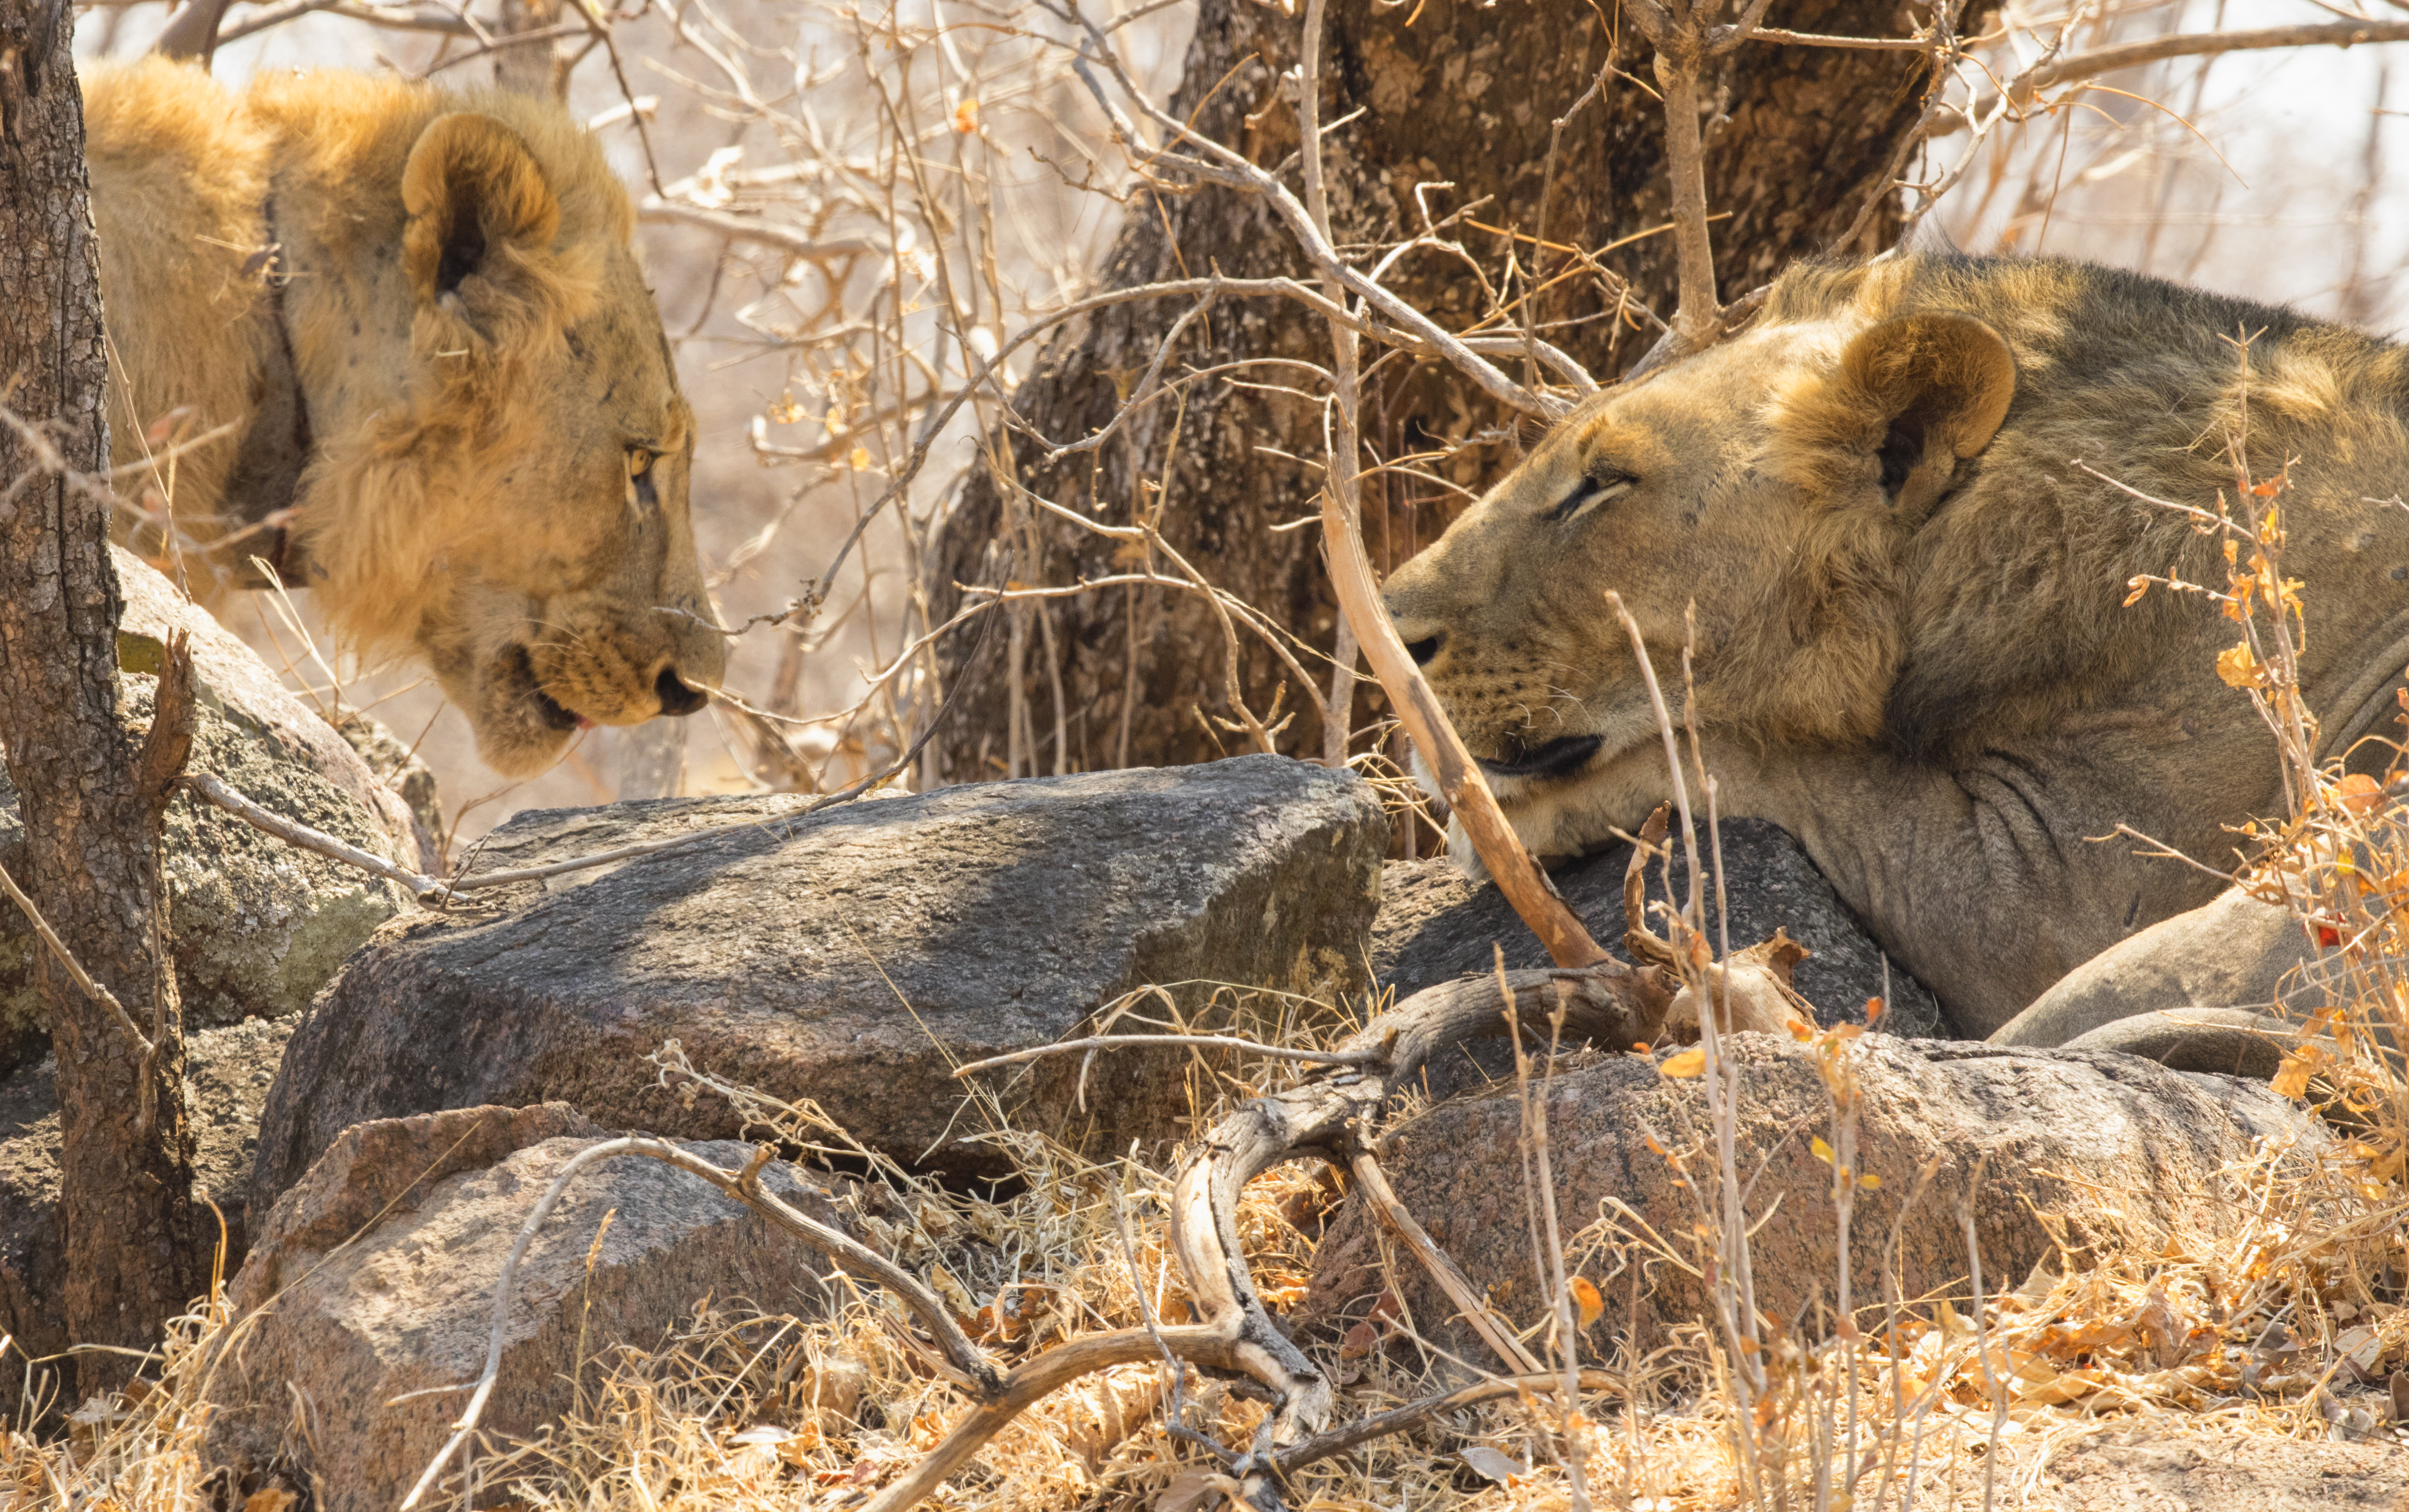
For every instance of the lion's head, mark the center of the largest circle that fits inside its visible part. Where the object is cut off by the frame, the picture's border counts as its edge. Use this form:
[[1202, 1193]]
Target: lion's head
[[503, 453], [1774, 481]]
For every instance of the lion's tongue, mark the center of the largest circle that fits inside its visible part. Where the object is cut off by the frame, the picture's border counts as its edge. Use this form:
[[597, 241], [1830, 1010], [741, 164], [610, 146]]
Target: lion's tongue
[[584, 723]]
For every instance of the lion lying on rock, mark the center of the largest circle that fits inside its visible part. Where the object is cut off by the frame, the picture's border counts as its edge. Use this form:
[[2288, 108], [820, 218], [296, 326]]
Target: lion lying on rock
[[1890, 500], [452, 410]]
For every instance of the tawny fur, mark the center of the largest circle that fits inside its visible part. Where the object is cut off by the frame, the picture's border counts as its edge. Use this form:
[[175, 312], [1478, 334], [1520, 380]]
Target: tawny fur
[[1936, 685], [482, 369]]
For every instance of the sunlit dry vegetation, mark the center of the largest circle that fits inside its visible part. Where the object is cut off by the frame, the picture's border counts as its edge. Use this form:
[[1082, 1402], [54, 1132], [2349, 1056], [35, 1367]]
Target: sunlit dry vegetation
[[904, 202]]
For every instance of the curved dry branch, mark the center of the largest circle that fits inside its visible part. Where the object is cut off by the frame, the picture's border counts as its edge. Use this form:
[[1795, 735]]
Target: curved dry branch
[[1032, 1381], [1336, 1117]]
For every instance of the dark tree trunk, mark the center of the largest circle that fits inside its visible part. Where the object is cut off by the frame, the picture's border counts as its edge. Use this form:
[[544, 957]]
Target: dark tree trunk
[[90, 857], [1461, 93]]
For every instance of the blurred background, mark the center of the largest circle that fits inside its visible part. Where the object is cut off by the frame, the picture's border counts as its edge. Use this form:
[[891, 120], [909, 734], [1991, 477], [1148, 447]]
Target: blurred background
[[848, 209]]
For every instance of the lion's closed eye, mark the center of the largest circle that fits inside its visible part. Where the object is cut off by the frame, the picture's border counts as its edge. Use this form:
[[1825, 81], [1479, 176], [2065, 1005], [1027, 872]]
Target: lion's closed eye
[[1595, 487]]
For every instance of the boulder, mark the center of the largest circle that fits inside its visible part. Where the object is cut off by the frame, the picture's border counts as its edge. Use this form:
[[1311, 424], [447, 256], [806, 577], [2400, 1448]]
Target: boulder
[[255, 927], [383, 1335], [399, 768], [2110, 1146], [852, 958], [1436, 924], [226, 1076]]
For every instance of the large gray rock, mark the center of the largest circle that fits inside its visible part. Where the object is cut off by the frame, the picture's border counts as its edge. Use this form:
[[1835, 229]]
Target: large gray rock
[[2117, 1148], [1435, 925], [371, 1290], [255, 927], [852, 958], [226, 1076]]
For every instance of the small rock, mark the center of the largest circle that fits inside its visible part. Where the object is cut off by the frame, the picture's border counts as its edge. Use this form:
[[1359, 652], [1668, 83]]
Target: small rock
[[2111, 1145], [255, 927], [226, 1076], [853, 958], [384, 1336]]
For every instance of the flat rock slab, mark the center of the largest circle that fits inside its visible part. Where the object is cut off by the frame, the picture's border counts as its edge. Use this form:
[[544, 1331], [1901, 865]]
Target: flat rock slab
[[1436, 924], [408, 1306], [2110, 1143], [852, 958], [226, 1076], [254, 926]]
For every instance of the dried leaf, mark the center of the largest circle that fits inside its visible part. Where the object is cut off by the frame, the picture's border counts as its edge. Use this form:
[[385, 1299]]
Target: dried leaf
[[1585, 1297], [1188, 1491], [1685, 1064], [2236, 667], [1492, 1464], [2357, 794]]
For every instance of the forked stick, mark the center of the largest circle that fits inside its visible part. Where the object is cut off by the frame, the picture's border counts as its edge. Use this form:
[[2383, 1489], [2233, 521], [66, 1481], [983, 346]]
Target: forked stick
[[1336, 1117]]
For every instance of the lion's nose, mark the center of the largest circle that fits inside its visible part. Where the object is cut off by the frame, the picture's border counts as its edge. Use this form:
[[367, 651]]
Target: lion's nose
[[677, 699]]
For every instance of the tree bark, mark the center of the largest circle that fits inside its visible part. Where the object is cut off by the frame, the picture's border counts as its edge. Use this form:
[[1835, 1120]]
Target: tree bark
[[531, 67], [90, 857], [1450, 92]]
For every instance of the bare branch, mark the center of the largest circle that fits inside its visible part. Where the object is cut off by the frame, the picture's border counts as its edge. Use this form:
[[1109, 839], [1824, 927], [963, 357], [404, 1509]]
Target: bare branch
[[1197, 1042], [424, 888], [2346, 34], [193, 31], [656, 210]]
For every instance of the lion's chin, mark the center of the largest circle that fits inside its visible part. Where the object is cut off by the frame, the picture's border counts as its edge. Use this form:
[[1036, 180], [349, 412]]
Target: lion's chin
[[521, 729]]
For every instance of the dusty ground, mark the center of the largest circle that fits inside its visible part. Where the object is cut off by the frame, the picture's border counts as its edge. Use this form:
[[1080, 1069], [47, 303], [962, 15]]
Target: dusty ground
[[2165, 1468]]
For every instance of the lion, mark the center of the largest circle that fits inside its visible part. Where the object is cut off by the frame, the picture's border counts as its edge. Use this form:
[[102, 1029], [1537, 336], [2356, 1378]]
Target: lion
[[422, 373], [1906, 503]]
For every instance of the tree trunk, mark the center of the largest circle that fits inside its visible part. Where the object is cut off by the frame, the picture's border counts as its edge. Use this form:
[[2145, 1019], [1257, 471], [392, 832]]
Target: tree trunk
[[531, 67], [90, 857], [1450, 92]]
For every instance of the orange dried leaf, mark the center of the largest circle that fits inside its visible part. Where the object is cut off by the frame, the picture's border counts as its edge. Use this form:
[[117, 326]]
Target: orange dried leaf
[[2292, 1077], [2358, 794], [1686, 1064], [1586, 1297], [2236, 666]]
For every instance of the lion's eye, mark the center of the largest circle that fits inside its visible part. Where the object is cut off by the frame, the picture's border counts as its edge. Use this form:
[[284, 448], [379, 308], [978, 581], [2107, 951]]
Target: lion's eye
[[640, 461], [1594, 489]]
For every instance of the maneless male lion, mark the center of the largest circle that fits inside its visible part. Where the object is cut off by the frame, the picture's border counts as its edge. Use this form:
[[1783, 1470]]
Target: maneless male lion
[[1891, 501], [453, 412]]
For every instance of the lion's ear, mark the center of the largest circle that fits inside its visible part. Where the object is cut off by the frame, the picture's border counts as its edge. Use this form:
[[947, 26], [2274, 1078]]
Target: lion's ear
[[1929, 390], [1915, 396], [478, 208]]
